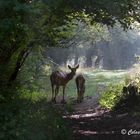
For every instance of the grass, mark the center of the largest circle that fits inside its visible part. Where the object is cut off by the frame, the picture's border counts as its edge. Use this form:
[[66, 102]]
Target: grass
[[32, 118], [94, 79], [96, 82], [111, 96]]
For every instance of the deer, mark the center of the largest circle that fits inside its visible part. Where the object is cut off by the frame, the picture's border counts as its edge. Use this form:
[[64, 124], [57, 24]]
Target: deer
[[80, 84], [60, 78]]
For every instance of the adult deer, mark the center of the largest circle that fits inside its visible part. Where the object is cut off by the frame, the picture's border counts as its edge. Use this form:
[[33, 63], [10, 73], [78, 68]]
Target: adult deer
[[59, 78], [80, 83]]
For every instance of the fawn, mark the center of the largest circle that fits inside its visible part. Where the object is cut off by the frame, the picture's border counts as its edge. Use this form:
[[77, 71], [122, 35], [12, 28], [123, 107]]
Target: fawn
[[80, 83]]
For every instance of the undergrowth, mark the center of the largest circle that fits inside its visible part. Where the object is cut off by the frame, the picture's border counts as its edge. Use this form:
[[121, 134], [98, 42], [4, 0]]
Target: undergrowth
[[32, 118], [111, 96], [115, 99]]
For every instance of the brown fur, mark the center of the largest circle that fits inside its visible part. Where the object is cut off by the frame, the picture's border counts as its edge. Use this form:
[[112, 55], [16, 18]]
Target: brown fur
[[59, 78], [80, 83]]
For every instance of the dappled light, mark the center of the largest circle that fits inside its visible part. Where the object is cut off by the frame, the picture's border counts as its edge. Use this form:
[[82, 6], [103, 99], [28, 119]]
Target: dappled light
[[69, 70]]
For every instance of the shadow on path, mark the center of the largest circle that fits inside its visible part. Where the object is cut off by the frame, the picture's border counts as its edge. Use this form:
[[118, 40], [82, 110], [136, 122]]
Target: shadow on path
[[95, 123]]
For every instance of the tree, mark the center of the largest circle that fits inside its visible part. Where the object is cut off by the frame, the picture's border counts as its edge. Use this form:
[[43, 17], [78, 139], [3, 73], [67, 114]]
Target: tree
[[25, 23], [119, 52], [103, 11]]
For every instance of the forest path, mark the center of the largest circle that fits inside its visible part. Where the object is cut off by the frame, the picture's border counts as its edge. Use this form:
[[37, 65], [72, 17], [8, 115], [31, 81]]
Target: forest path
[[90, 122]]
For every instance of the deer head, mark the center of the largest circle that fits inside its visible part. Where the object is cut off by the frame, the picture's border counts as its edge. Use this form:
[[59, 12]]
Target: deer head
[[73, 70]]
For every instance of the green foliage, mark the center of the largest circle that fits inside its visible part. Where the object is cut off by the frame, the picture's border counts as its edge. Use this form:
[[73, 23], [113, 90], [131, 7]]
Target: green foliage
[[128, 79], [111, 96], [33, 75], [101, 77], [129, 101], [96, 82], [85, 33], [25, 24], [14, 30], [25, 118], [103, 11], [32, 95], [7, 94]]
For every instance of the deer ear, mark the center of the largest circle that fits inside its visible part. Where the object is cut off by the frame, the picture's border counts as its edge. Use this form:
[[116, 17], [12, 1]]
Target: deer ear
[[69, 66], [77, 66]]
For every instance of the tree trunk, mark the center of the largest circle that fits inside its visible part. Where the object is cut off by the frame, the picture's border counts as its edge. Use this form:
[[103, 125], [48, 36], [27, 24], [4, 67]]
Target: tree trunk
[[98, 60], [20, 61]]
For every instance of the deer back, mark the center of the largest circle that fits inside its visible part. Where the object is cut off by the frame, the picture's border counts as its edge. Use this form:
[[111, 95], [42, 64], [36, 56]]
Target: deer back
[[80, 83], [60, 78]]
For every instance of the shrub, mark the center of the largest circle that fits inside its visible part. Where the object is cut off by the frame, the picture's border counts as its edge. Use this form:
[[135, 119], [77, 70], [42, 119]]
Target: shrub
[[111, 96], [23, 118]]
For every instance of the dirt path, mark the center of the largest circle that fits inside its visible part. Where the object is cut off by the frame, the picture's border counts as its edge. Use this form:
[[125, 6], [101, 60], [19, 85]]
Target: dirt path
[[90, 122]]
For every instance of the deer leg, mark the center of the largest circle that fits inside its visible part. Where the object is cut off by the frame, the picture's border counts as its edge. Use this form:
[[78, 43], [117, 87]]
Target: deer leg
[[56, 92], [52, 92], [82, 96], [78, 96], [63, 100]]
